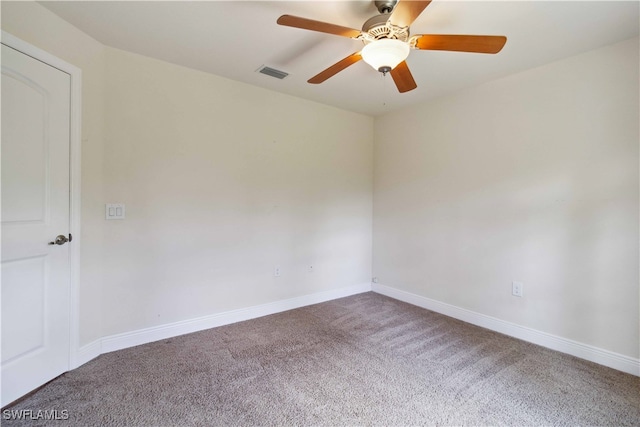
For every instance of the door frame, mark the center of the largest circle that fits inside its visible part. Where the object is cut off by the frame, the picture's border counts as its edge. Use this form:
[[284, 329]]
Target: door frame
[[75, 128]]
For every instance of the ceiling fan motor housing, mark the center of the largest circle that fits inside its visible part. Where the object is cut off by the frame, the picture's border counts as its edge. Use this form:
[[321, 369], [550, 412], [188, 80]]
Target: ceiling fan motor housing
[[379, 27]]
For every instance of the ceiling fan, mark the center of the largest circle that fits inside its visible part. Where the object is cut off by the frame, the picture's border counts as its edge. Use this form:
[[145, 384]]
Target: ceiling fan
[[388, 41]]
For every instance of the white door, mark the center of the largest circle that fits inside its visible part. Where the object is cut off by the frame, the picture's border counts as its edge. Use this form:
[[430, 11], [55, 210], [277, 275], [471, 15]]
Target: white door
[[35, 209]]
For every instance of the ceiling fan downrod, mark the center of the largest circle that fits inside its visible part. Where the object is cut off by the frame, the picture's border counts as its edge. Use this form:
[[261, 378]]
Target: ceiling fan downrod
[[385, 6]]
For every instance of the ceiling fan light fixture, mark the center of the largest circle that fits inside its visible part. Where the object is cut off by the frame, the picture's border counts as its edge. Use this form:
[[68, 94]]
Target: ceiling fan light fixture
[[385, 54]]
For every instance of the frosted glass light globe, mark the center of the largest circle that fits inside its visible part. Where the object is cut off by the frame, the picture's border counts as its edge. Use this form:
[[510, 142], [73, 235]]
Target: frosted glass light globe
[[385, 54]]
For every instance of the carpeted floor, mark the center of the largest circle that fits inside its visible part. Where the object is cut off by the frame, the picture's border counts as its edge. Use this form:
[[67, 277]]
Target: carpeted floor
[[360, 360]]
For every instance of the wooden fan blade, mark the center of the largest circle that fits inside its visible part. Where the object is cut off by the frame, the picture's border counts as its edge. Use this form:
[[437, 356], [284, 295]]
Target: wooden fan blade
[[322, 27], [406, 11], [403, 78], [476, 44], [335, 68]]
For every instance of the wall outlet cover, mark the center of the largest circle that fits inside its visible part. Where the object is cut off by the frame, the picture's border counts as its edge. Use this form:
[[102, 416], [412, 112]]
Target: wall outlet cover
[[517, 289]]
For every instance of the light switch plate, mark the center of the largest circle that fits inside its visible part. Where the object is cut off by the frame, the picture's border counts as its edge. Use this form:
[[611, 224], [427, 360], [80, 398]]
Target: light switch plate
[[114, 211]]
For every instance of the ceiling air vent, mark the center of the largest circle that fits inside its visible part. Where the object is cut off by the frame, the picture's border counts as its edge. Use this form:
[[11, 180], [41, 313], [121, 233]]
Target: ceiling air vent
[[273, 72]]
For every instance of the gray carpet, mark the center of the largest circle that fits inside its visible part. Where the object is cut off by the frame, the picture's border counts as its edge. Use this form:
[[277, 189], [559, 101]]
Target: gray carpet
[[361, 360]]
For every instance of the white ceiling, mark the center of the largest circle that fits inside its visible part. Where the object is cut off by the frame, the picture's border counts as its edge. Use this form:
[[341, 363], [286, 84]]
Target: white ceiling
[[234, 38]]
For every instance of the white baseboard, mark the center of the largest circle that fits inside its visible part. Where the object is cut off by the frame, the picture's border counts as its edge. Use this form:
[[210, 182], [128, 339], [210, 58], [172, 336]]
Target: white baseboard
[[564, 345], [147, 335], [87, 352]]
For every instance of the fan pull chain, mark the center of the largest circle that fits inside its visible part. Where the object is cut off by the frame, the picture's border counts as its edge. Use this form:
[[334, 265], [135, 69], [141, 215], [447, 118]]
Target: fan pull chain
[[385, 88]]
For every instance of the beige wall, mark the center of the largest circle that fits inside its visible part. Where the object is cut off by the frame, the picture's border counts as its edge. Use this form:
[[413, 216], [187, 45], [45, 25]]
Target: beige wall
[[532, 178], [223, 181], [38, 26]]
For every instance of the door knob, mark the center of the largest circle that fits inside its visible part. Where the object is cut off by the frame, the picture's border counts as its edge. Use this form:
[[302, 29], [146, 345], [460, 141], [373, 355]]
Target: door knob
[[60, 240]]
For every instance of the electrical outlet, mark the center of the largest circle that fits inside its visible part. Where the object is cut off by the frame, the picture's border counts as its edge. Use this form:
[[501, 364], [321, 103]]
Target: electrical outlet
[[276, 271], [311, 269], [517, 289], [374, 279]]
